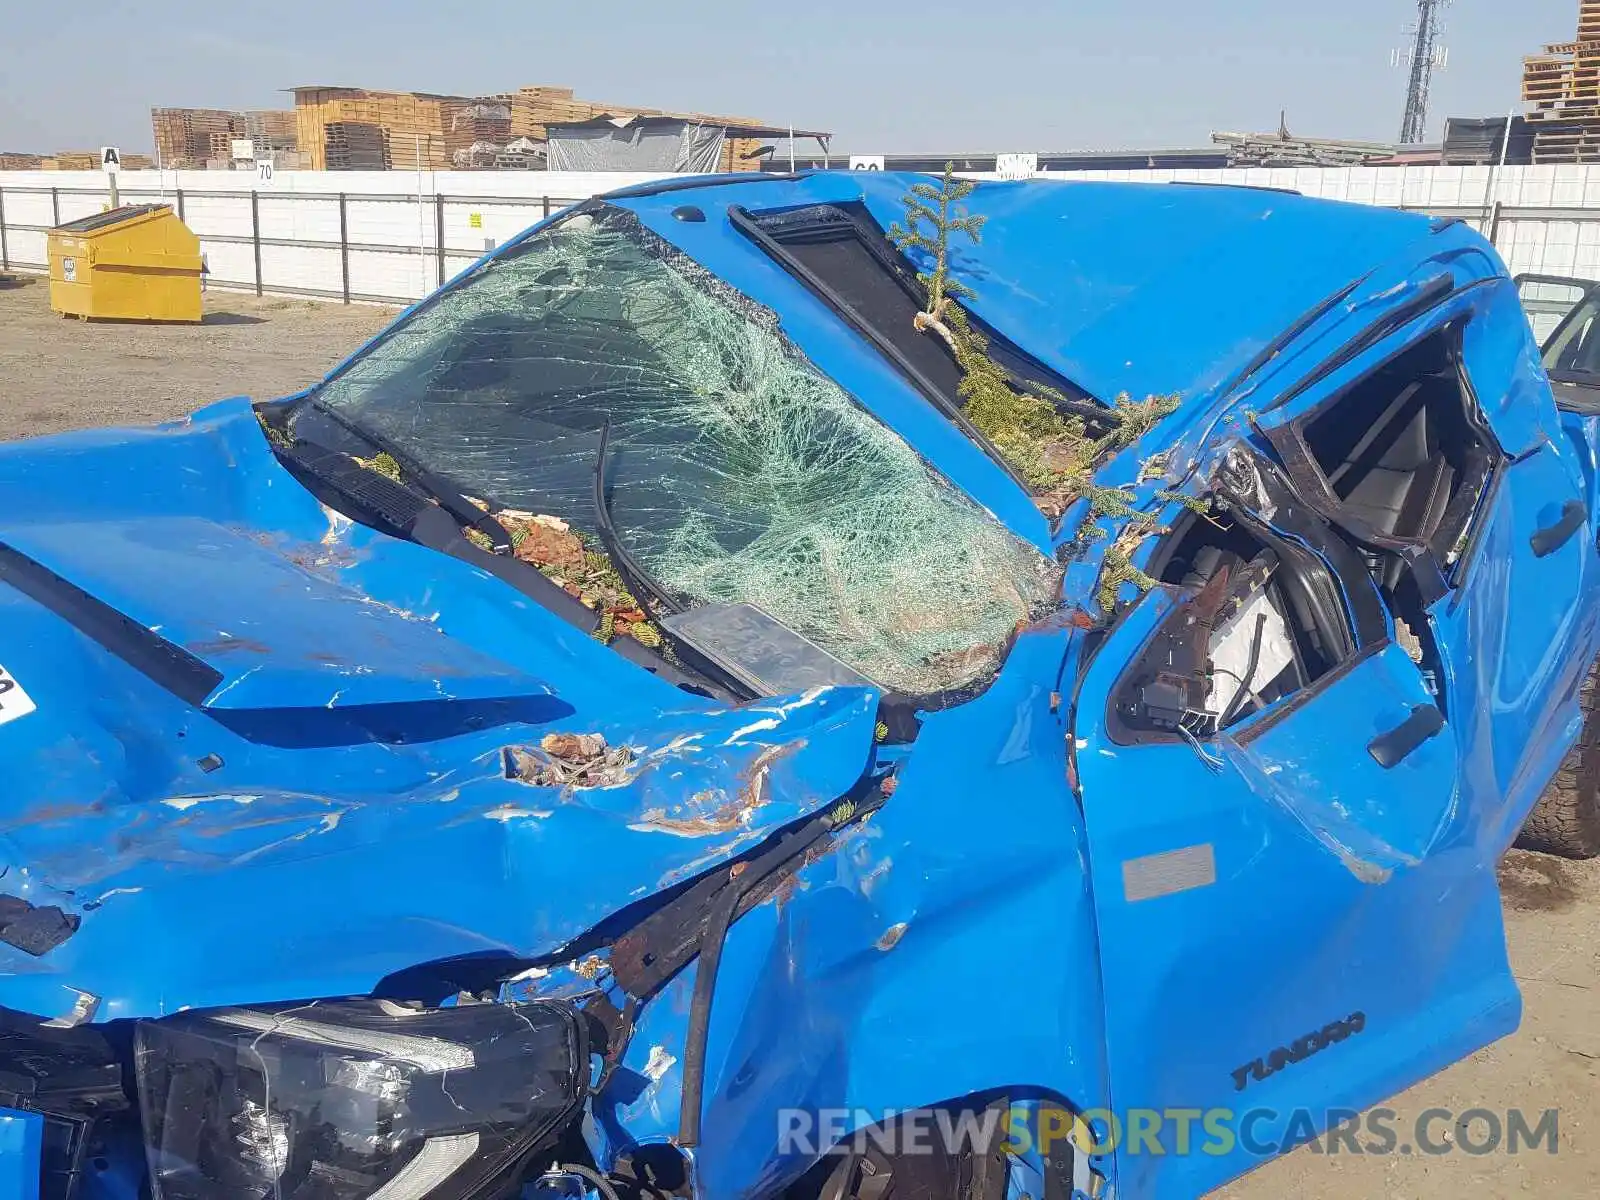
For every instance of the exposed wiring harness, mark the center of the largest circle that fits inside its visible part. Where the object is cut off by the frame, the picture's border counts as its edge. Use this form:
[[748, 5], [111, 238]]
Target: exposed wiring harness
[[1250, 665], [589, 1174]]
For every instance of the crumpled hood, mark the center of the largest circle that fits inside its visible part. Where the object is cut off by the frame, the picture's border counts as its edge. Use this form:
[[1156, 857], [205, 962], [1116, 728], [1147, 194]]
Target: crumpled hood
[[190, 551], [332, 800], [250, 622]]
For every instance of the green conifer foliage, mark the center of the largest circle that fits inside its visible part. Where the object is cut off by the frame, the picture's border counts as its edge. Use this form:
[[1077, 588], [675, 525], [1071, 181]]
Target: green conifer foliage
[[1056, 455], [931, 217]]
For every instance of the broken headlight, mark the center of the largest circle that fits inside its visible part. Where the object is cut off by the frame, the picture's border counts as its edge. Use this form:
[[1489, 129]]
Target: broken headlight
[[361, 1100]]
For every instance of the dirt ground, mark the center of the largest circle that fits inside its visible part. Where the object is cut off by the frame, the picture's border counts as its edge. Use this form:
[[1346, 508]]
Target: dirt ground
[[58, 374]]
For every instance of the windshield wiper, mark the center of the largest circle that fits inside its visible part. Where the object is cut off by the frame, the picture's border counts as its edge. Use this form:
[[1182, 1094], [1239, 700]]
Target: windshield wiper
[[412, 517], [640, 582], [433, 486], [642, 585]]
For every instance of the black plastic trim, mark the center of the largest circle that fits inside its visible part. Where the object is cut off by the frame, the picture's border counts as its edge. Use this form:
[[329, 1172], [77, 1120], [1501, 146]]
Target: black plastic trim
[[189, 678], [437, 487], [745, 224], [1576, 392], [1546, 541], [1390, 749], [1434, 293]]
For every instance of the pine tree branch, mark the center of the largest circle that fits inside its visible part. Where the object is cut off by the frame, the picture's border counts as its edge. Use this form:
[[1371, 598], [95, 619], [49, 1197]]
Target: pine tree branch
[[1053, 454]]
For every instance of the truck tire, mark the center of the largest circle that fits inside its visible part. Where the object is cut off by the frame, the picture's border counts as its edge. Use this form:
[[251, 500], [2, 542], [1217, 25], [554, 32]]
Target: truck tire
[[1566, 821]]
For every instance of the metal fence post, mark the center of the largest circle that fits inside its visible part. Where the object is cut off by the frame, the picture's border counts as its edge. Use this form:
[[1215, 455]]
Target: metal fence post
[[438, 234], [1494, 222], [255, 233], [180, 203], [547, 208], [344, 247], [5, 258], [55, 207]]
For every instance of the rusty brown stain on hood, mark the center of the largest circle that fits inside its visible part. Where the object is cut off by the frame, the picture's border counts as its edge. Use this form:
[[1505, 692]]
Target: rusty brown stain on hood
[[736, 810]]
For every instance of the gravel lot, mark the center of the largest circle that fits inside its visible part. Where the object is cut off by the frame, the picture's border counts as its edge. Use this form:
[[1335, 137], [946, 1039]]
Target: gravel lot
[[58, 374]]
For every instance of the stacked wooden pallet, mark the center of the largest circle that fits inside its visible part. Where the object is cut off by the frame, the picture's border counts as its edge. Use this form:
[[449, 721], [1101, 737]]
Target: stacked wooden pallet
[[415, 151], [437, 132], [89, 160], [72, 160], [276, 124], [353, 146], [191, 137], [412, 124], [1561, 88], [535, 108], [532, 108], [186, 137], [271, 131], [477, 133], [1575, 141], [10, 161]]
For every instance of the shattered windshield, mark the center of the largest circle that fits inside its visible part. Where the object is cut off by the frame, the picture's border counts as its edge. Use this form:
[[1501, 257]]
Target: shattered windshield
[[737, 472]]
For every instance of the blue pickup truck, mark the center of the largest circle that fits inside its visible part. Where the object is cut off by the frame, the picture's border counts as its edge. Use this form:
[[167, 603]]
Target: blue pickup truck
[[614, 736]]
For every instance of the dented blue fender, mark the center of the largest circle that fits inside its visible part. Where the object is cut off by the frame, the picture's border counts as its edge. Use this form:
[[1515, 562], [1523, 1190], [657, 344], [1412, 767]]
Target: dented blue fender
[[270, 754], [168, 825], [851, 994], [254, 841]]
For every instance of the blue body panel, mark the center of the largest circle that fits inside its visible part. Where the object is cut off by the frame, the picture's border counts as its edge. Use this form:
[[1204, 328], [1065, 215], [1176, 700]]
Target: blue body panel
[[1105, 281], [840, 996], [1339, 889], [280, 635], [1342, 886], [336, 808]]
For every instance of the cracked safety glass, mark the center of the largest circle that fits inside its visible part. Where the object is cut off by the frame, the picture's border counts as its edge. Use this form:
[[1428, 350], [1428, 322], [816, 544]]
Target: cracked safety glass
[[737, 472]]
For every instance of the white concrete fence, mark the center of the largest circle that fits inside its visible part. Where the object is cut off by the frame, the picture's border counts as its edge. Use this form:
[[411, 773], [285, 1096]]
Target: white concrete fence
[[393, 236], [385, 236]]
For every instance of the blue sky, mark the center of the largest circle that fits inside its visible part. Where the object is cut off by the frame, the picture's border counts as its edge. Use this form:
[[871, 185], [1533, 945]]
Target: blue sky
[[939, 76]]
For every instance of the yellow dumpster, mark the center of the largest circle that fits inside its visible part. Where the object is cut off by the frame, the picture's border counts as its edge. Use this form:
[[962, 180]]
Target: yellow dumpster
[[134, 263]]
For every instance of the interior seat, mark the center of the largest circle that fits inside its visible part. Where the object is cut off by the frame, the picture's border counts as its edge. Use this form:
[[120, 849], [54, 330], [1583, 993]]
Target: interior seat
[[1397, 477]]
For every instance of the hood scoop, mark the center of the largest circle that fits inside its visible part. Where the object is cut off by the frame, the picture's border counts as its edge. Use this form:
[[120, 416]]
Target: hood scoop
[[226, 619]]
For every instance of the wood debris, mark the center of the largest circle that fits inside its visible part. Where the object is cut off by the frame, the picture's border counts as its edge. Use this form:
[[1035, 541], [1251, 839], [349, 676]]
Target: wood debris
[[576, 760], [588, 575]]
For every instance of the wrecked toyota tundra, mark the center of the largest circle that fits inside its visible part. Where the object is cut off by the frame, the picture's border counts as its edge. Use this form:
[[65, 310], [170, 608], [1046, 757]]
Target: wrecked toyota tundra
[[756, 660]]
